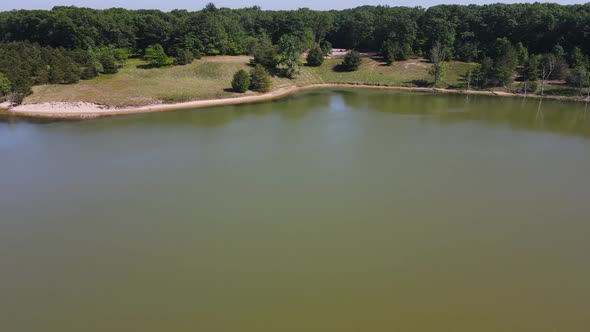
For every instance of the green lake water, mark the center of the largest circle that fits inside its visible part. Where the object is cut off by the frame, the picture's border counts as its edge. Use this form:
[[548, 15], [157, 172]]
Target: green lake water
[[330, 210]]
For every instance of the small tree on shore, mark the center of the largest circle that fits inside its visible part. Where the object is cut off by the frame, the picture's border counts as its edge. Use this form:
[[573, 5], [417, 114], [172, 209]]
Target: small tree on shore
[[260, 79], [548, 63], [241, 81], [315, 57], [351, 61], [437, 57], [468, 78]]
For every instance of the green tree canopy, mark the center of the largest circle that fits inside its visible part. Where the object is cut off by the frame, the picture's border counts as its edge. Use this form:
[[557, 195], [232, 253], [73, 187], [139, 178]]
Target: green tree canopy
[[290, 55]]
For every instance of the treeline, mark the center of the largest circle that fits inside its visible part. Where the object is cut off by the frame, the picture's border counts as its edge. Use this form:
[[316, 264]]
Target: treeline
[[466, 33]]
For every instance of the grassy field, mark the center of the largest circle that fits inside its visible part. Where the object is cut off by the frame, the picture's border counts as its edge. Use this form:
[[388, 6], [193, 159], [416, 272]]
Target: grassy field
[[210, 77]]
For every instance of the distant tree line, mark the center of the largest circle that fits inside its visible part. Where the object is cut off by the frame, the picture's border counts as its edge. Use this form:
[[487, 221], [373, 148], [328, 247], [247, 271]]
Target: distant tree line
[[66, 44]]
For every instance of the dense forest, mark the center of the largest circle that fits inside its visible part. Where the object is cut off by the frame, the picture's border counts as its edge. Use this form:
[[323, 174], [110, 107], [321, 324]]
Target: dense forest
[[66, 44]]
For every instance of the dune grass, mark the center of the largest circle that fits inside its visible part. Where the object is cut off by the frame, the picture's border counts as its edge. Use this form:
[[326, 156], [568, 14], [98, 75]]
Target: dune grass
[[210, 77]]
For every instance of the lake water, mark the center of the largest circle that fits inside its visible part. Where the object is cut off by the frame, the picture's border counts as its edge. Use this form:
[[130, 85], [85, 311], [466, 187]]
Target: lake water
[[330, 210]]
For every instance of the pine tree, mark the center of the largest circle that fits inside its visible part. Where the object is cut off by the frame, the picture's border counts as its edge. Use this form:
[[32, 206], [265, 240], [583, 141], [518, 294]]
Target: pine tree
[[156, 56], [241, 81], [260, 79], [351, 61], [315, 57]]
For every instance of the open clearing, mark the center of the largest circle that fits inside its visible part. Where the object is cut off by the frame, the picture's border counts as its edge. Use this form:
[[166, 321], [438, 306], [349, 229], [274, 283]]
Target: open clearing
[[210, 77]]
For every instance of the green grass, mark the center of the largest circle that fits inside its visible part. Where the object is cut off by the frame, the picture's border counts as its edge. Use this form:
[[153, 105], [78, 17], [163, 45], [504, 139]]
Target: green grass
[[210, 78]]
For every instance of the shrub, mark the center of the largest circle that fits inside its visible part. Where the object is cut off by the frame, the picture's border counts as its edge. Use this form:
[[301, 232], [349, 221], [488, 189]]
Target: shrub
[[315, 58], [241, 81], [351, 61], [260, 79]]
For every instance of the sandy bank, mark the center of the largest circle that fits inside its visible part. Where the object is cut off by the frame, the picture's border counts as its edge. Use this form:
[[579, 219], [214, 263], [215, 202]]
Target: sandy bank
[[82, 110]]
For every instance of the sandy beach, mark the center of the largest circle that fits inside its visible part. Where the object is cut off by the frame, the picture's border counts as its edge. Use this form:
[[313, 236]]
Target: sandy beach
[[84, 110]]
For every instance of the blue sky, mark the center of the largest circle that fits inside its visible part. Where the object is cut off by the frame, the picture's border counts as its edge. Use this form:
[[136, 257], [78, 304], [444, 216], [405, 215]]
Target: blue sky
[[265, 4]]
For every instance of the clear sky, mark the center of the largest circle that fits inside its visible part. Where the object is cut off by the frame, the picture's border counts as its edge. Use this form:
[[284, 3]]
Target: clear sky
[[265, 4]]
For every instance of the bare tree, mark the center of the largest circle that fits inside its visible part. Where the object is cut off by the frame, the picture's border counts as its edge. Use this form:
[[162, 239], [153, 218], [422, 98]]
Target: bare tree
[[547, 67], [11, 99]]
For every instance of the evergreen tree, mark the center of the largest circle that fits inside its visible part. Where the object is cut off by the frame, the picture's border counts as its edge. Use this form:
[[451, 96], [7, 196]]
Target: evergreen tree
[[577, 78], [156, 56], [523, 53], [315, 57], [56, 73], [531, 69], [184, 57], [89, 72], [71, 73], [577, 58], [41, 75], [264, 52], [351, 61], [108, 61], [241, 81], [4, 85], [260, 79]]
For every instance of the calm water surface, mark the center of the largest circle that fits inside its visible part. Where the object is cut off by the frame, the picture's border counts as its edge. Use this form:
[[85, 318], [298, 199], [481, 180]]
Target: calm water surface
[[332, 210]]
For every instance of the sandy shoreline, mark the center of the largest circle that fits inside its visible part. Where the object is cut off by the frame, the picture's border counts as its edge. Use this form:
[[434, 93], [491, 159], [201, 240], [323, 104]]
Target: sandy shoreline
[[83, 110]]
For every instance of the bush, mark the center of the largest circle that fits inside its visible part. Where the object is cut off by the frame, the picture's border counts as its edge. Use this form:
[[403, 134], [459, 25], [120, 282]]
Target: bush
[[315, 58], [351, 61], [241, 81], [260, 79]]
